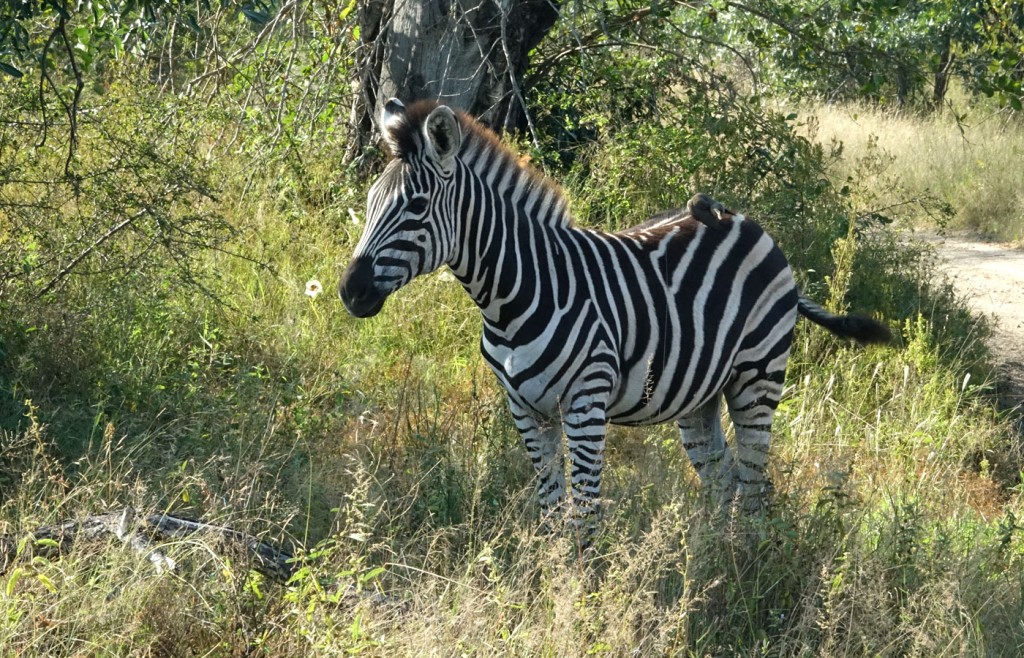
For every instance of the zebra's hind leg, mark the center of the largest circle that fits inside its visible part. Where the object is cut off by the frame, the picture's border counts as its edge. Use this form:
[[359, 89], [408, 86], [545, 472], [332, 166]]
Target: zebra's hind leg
[[704, 443], [543, 443], [753, 398]]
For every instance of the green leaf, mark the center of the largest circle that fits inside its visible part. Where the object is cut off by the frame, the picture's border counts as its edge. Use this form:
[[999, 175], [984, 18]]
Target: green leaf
[[12, 582], [10, 70], [347, 10], [47, 582], [256, 16], [371, 575]]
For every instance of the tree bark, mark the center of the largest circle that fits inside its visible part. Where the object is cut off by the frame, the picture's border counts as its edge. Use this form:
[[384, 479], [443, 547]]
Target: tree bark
[[942, 75], [469, 54]]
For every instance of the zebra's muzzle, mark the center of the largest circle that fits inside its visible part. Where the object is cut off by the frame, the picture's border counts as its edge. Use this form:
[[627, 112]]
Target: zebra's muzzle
[[357, 292]]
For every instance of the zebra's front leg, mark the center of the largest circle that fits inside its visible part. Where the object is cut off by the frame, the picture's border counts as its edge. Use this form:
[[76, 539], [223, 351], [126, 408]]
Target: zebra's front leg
[[543, 441], [704, 442]]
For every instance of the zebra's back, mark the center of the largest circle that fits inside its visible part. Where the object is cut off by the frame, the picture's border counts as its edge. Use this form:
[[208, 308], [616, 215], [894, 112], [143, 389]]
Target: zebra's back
[[704, 306]]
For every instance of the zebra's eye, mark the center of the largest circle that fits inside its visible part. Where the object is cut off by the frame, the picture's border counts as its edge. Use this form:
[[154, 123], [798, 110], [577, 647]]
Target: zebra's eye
[[418, 205]]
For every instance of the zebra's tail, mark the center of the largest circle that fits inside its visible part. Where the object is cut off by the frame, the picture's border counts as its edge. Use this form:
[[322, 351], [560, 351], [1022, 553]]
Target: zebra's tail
[[858, 327]]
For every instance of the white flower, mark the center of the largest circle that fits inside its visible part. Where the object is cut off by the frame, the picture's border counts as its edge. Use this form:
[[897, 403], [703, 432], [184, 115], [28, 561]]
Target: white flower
[[353, 216], [313, 288]]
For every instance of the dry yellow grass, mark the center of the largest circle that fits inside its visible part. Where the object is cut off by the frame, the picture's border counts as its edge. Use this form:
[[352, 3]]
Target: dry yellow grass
[[974, 165]]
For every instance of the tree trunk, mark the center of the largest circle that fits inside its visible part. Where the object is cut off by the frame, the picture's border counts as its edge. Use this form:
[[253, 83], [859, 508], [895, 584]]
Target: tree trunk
[[470, 54], [942, 75]]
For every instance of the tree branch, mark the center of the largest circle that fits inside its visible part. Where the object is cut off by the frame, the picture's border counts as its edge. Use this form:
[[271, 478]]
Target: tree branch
[[139, 533], [88, 250], [76, 97]]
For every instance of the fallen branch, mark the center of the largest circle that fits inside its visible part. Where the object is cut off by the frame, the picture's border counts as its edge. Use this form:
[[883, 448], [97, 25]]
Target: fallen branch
[[141, 533]]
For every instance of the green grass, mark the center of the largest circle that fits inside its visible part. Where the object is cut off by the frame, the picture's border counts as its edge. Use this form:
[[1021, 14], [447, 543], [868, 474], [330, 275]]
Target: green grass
[[971, 166], [889, 535], [383, 449]]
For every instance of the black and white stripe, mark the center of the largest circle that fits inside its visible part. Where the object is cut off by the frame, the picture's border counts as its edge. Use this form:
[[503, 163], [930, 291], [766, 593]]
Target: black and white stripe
[[583, 327]]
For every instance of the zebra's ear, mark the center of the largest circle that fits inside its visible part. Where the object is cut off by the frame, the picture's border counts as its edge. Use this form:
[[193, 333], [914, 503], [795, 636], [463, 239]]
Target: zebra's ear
[[443, 135], [392, 115]]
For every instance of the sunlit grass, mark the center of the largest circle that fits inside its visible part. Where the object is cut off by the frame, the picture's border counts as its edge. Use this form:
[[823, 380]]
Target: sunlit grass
[[885, 537], [973, 164]]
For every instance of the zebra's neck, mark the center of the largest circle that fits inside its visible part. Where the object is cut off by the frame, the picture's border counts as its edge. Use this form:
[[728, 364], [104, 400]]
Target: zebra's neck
[[511, 232], [504, 175]]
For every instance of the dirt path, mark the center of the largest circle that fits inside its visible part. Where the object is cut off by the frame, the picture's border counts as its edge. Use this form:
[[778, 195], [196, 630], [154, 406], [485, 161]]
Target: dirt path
[[991, 277]]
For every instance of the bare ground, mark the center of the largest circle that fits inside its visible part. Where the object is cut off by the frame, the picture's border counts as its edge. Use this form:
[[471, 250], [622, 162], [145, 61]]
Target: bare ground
[[990, 276]]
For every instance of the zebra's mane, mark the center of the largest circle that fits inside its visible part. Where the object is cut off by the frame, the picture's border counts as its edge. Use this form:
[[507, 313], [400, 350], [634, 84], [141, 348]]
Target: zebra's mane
[[479, 145]]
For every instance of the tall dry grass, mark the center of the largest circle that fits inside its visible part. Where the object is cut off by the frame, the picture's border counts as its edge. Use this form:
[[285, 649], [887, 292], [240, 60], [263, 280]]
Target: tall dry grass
[[885, 538], [973, 163]]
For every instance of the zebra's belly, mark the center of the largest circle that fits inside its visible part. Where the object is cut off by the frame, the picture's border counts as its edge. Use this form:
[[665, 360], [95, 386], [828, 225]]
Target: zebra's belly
[[658, 412], [641, 393], [646, 396]]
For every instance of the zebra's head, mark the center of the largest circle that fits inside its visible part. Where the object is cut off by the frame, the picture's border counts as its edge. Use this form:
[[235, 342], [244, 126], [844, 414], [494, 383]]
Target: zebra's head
[[408, 209]]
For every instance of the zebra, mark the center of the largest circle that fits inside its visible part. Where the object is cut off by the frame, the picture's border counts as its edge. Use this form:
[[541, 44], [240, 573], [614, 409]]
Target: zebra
[[651, 324]]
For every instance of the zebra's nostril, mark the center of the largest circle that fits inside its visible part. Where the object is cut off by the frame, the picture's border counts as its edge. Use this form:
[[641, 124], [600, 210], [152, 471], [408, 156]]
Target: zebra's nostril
[[358, 276], [357, 289]]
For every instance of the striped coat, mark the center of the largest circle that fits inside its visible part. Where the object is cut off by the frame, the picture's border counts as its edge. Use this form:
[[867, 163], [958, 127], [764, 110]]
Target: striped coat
[[656, 323]]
